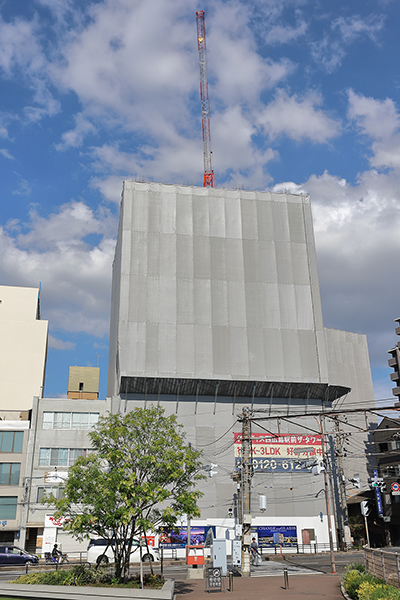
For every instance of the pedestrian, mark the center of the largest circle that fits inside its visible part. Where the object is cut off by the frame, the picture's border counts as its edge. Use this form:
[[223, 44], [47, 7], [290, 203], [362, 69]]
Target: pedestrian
[[254, 552], [55, 553]]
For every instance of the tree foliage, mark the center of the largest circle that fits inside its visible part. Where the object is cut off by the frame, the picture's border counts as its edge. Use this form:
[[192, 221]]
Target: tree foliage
[[138, 478]]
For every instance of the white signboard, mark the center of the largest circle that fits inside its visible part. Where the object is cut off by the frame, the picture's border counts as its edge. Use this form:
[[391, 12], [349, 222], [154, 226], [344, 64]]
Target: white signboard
[[52, 521]]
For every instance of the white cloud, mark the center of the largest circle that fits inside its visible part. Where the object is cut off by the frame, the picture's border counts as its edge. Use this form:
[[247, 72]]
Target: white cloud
[[356, 230], [135, 62], [156, 95], [75, 274], [380, 121], [110, 187], [23, 189], [377, 118], [67, 228], [284, 34], [330, 51], [3, 130], [351, 28], [6, 153], [75, 137], [21, 53], [18, 46], [59, 8], [57, 344], [298, 119], [234, 150], [238, 72]]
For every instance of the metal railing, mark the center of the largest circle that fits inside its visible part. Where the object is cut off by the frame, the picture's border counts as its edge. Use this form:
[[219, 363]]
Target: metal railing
[[383, 564], [314, 548]]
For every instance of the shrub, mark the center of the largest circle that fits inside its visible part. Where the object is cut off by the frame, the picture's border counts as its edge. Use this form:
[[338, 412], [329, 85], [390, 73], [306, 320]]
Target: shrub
[[377, 591], [85, 575], [354, 578], [47, 578], [356, 567]]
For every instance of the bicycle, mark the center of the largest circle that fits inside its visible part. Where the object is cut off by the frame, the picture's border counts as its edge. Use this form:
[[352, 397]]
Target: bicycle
[[49, 559]]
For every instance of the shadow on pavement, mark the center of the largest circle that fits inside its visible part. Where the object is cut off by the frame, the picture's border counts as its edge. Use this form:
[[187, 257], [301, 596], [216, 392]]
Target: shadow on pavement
[[183, 587]]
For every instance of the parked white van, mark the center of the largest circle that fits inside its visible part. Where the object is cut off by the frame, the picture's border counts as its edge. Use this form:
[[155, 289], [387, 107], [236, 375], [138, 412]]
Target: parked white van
[[98, 552]]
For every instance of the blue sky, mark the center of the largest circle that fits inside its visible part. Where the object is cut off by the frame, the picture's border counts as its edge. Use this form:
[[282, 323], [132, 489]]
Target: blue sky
[[304, 96]]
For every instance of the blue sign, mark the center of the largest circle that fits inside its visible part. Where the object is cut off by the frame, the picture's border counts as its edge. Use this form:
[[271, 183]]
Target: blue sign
[[276, 535], [379, 501], [177, 538]]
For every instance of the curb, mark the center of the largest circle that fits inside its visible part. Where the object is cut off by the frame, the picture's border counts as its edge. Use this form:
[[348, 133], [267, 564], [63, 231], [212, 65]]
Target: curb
[[344, 593], [60, 592]]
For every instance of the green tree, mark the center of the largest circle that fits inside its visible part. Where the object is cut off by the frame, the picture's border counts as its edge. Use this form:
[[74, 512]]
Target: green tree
[[138, 478]]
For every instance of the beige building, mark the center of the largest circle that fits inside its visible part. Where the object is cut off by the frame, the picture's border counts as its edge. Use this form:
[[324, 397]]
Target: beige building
[[23, 347], [83, 383]]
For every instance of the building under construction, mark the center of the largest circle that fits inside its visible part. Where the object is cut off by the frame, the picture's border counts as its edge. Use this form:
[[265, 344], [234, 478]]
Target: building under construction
[[216, 308]]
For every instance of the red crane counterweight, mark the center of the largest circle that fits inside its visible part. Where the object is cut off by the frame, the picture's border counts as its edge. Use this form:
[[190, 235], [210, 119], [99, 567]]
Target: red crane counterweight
[[205, 105]]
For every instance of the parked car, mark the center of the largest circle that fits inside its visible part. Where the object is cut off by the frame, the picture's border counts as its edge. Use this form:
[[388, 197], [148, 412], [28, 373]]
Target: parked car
[[12, 555], [100, 551]]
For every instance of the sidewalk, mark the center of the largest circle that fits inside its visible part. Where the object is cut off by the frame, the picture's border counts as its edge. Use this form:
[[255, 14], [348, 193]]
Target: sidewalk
[[301, 587]]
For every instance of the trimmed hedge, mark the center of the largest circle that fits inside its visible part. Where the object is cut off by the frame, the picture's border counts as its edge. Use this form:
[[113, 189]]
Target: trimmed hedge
[[88, 576]]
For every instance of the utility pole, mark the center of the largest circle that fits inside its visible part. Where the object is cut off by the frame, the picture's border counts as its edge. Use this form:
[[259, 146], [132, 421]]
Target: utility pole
[[245, 482], [344, 516], [328, 508]]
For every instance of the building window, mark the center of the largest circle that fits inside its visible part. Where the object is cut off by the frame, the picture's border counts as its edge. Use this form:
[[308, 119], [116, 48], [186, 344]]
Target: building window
[[9, 473], [56, 491], [389, 471], [60, 457], [67, 420], [383, 447], [8, 507], [11, 441]]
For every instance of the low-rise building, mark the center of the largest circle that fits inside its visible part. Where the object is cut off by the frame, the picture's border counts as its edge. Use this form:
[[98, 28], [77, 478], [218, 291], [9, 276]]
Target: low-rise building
[[59, 436], [14, 434]]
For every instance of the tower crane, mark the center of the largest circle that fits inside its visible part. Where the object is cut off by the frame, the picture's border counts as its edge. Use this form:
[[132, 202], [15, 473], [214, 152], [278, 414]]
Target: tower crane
[[205, 105]]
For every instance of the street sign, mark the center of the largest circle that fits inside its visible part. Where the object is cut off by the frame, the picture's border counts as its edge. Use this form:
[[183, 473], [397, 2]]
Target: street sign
[[395, 486], [214, 579], [379, 503]]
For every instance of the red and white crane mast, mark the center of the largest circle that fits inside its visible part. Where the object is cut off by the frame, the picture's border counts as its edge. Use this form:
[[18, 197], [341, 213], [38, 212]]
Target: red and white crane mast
[[205, 105]]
